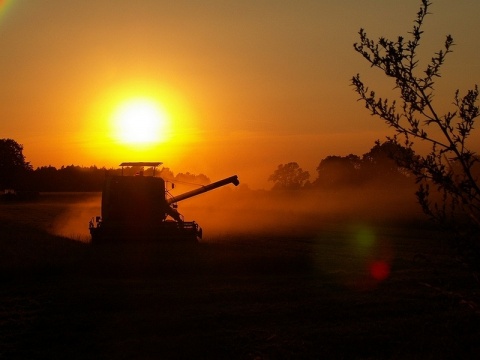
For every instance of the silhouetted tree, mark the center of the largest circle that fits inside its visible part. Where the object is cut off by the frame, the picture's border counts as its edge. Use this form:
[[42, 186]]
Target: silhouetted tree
[[167, 174], [387, 162], [289, 177], [45, 178], [449, 164], [337, 171], [189, 178], [13, 167], [77, 178], [68, 178]]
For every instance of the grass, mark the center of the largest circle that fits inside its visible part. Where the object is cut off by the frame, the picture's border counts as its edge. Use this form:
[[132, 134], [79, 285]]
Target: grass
[[236, 296]]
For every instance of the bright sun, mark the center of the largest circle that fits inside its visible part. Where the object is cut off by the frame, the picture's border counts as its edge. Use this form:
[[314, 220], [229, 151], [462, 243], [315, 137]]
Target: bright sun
[[140, 122]]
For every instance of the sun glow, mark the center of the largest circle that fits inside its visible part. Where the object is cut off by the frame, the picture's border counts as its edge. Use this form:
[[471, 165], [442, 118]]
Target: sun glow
[[140, 122]]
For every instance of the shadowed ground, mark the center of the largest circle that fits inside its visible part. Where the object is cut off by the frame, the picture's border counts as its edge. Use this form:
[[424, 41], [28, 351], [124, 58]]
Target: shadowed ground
[[248, 297]]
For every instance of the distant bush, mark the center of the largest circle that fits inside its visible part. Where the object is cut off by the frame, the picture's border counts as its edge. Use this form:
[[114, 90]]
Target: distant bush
[[449, 189]]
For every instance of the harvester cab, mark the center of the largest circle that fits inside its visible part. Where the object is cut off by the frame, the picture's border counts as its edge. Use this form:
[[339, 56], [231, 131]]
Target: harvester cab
[[138, 207]]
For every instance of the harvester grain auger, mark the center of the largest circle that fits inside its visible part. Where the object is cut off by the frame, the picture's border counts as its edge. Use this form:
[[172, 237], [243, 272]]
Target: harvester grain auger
[[137, 208]]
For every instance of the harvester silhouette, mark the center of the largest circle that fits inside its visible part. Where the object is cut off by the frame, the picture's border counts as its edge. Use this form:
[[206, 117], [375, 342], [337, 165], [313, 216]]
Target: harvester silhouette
[[139, 208]]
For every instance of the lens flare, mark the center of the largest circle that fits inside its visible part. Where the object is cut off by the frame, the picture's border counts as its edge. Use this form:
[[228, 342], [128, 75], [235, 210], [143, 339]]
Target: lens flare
[[4, 6], [365, 237], [376, 254], [360, 256], [380, 270]]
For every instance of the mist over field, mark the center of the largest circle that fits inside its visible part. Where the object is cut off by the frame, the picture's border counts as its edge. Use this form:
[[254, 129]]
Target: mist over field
[[231, 211], [241, 211], [278, 274], [72, 221]]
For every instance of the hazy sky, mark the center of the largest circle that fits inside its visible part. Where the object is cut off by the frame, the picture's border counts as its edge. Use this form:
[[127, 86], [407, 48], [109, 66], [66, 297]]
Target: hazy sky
[[246, 85]]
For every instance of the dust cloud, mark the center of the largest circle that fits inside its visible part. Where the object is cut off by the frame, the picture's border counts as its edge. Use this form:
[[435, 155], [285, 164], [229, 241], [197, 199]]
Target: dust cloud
[[73, 221], [239, 211]]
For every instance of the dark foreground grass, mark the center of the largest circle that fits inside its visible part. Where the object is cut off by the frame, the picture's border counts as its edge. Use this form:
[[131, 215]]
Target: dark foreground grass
[[248, 297]]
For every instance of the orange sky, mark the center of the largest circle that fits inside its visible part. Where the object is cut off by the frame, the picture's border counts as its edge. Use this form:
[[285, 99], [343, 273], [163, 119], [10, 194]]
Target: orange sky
[[246, 85]]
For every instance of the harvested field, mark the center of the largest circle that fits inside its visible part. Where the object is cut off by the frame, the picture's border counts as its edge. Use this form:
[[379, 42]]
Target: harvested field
[[365, 290]]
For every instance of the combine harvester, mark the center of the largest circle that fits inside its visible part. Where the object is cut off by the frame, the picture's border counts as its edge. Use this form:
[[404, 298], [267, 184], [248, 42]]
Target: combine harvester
[[139, 208]]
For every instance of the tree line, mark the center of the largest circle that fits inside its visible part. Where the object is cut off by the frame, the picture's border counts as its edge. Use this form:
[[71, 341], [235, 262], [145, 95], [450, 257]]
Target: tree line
[[18, 175], [384, 163], [381, 163]]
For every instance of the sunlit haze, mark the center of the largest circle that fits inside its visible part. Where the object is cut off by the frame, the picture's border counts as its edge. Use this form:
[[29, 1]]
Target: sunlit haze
[[213, 87]]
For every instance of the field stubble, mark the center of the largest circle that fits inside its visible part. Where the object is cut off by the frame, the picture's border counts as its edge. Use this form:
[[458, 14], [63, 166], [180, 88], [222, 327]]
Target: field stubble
[[236, 295]]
